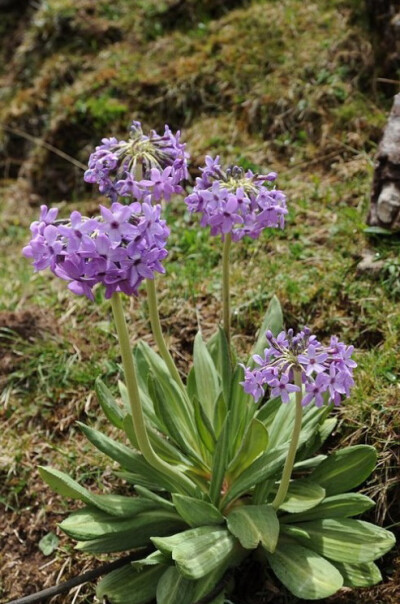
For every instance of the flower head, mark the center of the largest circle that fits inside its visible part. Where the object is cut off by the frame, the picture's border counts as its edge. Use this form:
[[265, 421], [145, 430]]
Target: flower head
[[141, 166], [118, 249], [326, 371], [237, 202]]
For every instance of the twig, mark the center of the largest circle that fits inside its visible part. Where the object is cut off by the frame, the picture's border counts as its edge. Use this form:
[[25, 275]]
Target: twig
[[87, 577], [42, 143]]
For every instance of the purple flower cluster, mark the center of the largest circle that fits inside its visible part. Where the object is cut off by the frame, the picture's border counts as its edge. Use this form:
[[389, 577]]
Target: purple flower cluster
[[118, 249], [326, 371], [235, 201], [143, 166]]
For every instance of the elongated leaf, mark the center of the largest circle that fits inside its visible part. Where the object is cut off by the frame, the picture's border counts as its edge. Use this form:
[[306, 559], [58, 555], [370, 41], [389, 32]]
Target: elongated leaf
[[173, 588], [124, 536], [128, 458], [255, 524], [219, 351], [266, 413], [204, 426], [345, 469], [306, 574], [172, 392], [254, 444], [109, 405], [266, 466], [220, 411], [207, 381], [303, 494], [201, 554], [116, 505], [310, 464], [165, 411], [337, 506], [151, 560], [220, 463], [127, 586], [273, 320], [359, 575], [343, 540], [196, 512], [160, 502], [88, 523]]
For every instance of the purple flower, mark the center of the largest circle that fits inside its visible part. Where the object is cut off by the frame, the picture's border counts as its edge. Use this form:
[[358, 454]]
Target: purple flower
[[143, 166], [326, 371], [237, 202], [118, 249]]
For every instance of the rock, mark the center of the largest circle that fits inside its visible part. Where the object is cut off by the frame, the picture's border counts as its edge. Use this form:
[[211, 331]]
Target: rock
[[385, 194], [370, 264]]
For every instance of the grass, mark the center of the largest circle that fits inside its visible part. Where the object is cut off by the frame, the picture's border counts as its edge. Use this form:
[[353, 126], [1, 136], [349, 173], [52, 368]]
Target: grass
[[272, 85]]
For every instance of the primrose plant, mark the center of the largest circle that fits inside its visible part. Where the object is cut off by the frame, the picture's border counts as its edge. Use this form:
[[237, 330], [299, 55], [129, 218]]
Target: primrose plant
[[223, 464]]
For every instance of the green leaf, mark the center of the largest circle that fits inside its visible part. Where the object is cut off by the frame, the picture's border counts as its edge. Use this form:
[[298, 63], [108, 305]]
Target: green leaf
[[254, 444], [158, 501], [100, 533], [264, 467], [220, 463], [345, 469], [127, 586], [196, 512], [359, 575], [337, 506], [343, 540], [377, 230], [128, 459], [181, 405], [220, 411], [207, 381], [111, 409], [306, 574], [254, 524], [311, 463], [166, 412], [116, 505], [173, 588], [201, 554], [302, 495], [151, 560], [273, 320], [219, 351], [48, 544], [204, 426]]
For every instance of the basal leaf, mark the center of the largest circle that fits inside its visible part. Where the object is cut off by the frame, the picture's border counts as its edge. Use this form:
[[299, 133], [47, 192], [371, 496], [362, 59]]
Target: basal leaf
[[127, 586], [219, 351], [173, 588], [109, 405], [306, 574], [254, 444], [345, 469], [359, 575], [201, 554], [255, 524], [220, 462], [264, 467], [207, 379], [302, 495], [196, 512], [273, 320], [336, 506], [342, 539]]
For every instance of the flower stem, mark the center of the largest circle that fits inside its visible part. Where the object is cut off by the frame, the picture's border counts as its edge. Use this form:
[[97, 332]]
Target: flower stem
[[287, 470], [136, 407], [157, 332], [225, 288]]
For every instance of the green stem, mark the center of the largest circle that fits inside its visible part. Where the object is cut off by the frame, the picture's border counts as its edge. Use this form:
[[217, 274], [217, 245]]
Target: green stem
[[287, 470], [157, 331], [225, 288], [136, 407]]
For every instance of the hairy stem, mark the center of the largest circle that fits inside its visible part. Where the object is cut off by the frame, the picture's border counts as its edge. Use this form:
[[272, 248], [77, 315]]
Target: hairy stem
[[157, 332], [287, 470], [136, 407], [225, 288]]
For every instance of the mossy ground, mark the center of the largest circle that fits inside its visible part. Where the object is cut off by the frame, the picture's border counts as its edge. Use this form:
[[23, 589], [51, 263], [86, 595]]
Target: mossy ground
[[288, 86]]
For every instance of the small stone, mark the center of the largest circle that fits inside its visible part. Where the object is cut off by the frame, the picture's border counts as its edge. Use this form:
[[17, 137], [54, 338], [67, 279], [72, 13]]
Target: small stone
[[370, 264]]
